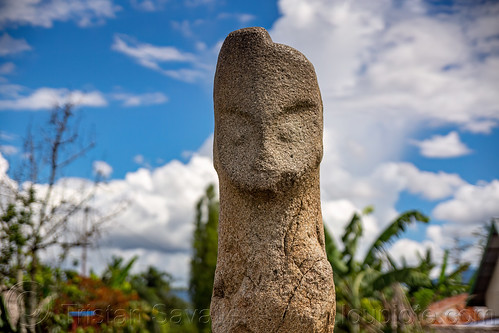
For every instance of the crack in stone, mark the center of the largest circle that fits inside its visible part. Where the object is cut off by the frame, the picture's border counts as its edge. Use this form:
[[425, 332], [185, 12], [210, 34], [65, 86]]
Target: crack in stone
[[293, 295], [294, 219]]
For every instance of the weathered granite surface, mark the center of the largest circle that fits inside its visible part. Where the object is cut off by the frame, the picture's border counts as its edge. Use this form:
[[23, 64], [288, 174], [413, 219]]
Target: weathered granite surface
[[272, 272]]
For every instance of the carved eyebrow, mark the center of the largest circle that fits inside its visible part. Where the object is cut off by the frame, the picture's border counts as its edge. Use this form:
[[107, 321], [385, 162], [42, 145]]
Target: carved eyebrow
[[235, 110], [299, 106]]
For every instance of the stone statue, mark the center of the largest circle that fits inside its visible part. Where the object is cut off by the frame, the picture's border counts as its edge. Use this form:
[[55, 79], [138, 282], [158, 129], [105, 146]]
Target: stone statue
[[272, 273]]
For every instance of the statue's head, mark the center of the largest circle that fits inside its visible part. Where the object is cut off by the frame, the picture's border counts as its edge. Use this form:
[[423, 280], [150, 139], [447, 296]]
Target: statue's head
[[268, 113]]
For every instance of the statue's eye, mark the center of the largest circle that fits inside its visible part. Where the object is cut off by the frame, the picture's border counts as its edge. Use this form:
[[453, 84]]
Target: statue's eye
[[300, 106], [236, 112], [235, 126]]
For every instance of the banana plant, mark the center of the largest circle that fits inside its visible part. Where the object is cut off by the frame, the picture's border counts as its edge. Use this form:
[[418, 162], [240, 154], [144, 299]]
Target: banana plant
[[363, 285]]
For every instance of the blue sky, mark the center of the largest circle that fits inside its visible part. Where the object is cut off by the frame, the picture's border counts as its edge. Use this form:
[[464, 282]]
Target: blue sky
[[66, 55], [410, 106]]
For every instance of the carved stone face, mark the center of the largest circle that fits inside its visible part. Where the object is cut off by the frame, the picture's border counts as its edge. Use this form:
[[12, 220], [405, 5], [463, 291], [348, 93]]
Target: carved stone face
[[268, 113]]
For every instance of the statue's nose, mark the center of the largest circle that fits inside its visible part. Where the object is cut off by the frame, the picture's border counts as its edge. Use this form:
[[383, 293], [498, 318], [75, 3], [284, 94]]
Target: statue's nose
[[265, 147]]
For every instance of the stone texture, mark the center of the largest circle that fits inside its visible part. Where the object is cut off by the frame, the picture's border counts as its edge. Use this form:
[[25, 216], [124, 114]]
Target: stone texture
[[272, 272]]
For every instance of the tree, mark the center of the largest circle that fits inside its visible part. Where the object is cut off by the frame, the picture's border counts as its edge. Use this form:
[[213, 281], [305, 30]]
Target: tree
[[447, 284], [167, 311], [38, 211], [204, 258], [369, 292]]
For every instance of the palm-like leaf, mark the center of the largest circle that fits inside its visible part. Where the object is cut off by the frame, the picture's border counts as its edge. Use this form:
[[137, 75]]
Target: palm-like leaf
[[350, 239], [407, 275], [394, 230], [441, 278], [334, 255]]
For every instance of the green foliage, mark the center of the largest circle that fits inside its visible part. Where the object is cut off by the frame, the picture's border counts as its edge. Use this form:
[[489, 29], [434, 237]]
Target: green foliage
[[124, 302], [397, 227], [446, 285], [167, 313], [362, 287], [117, 273], [204, 258]]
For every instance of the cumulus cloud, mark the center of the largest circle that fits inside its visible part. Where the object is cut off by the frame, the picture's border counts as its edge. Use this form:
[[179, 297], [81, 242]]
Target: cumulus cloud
[[430, 185], [382, 187], [410, 250], [102, 169], [128, 99], [47, 98], [343, 194], [336, 214], [45, 13], [443, 146], [471, 204], [159, 217], [151, 56], [9, 45], [382, 81], [158, 220]]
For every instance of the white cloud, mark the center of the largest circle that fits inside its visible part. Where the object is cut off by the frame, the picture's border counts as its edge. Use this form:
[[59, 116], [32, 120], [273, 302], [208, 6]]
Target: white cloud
[[432, 186], [102, 169], [439, 238], [148, 55], [409, 250], [141, 99], [161, 213], [336, 214], [342, 194], [484, 126], [9, 45], [45, 13], [443, 146], [471, 204], [8, 149], [382, 81], [4, 167], [47, 98], [438, 235], [152, 57], [158, 220], [15, 97]]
